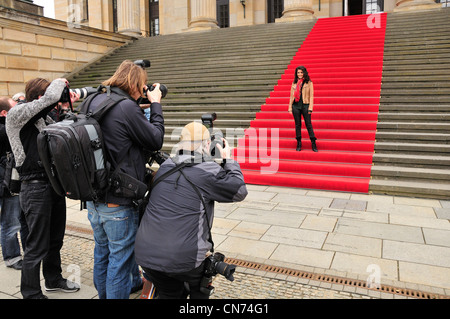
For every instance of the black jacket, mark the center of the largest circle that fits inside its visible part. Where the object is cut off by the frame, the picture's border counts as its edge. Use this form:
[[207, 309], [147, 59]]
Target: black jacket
[[126, 133]]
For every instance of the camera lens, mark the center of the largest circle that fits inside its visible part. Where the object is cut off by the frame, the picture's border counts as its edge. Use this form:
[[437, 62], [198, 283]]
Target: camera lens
[[162, 88], [225, 269]]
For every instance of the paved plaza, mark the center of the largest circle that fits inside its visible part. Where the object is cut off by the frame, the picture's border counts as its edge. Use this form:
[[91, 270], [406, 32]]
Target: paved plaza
[[389, 241]]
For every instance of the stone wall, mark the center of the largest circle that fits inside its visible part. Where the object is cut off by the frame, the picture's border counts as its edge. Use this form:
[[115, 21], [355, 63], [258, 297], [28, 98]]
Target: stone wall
[[33, 46]]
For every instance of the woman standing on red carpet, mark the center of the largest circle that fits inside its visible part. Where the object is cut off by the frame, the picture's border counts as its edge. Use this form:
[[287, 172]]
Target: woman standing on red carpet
[[301, 103]]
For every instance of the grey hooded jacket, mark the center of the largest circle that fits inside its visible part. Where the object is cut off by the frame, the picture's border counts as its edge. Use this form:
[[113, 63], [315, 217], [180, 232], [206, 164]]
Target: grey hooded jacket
[[173, 236]]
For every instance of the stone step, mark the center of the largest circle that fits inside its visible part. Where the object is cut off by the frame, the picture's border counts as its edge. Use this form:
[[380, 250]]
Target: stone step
[[408, 137], [414, 108], [414, 127], [413, 117], [410, 188], [405, 80], [411, 174], [390, 85], [412, 160], [412, 148], [426, 100]]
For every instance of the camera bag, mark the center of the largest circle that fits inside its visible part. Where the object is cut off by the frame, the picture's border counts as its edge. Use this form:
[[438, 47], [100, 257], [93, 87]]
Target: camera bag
[[72, 152], [11, 181]]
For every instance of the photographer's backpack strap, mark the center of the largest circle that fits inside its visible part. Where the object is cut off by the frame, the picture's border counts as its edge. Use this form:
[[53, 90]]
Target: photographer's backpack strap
[[204, 205]]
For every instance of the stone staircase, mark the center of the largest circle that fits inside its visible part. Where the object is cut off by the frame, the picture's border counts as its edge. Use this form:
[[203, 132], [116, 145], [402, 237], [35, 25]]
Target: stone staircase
[[228, 71], [232, 72], [412, 149]]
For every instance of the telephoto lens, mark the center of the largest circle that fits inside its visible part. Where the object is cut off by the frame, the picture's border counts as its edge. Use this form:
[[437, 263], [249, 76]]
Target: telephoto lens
[[84, 92]]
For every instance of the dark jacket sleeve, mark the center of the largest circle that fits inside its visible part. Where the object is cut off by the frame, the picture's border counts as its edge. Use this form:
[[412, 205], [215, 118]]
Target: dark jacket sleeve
[[225, 184], [149, 134]]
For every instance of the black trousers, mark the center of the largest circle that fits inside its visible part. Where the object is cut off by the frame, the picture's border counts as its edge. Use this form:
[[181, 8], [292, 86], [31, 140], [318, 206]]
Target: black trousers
[[298, 110], [172, 286], [45, 214]]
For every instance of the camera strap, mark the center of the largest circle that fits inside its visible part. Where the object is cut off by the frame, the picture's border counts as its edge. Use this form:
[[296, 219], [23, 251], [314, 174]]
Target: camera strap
[[204, 205]]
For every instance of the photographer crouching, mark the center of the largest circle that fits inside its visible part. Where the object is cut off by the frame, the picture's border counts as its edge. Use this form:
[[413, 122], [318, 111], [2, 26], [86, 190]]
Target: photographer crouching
[[173, 244]]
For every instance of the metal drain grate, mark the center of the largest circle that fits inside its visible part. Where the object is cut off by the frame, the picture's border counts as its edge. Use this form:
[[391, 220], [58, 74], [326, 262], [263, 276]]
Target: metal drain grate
[[335, 280]]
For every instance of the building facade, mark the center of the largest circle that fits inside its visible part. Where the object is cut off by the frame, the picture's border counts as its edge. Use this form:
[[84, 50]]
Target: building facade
[[155, 17]]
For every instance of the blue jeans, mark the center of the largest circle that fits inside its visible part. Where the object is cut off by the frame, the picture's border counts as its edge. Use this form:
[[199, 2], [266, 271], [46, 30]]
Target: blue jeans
[[10, 226], [115, 268]]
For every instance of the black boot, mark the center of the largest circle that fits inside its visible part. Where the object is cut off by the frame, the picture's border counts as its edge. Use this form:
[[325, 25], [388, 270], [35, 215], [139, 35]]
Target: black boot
[[314, 146], [299, 146]]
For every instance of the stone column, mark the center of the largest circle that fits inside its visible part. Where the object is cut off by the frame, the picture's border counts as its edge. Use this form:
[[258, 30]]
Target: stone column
[[203, 15], [413, 5], [128, 17], [297, 10]]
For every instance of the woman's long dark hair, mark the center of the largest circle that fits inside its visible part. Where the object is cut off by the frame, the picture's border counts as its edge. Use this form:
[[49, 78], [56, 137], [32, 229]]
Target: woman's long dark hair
[[306, 77]]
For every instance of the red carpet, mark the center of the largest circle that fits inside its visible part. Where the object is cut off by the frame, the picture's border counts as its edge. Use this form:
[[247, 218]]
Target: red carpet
[[344, 57]]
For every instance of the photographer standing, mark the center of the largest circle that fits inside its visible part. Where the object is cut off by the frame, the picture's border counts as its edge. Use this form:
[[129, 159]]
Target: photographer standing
[[126, 132], [174, 236], [45, 211], [11, 217]]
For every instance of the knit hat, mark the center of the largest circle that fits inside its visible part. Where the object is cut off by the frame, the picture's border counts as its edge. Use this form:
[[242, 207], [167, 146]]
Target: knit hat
[[194, 132]]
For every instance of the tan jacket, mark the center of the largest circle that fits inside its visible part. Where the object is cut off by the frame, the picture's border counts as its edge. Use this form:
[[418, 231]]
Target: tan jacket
[[307, 95]]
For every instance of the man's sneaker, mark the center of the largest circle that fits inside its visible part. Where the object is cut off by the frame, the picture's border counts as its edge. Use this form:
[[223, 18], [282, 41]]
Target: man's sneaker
[[63, 285]]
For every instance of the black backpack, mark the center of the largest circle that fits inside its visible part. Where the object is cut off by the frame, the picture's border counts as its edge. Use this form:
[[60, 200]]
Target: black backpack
[[73, 155]]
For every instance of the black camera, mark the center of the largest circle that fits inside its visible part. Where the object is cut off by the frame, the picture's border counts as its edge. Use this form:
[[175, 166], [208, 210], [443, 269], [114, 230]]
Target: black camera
[[162, 88], [216, 137], [157, 156], [146, 64], [83, 92], [214, 264]]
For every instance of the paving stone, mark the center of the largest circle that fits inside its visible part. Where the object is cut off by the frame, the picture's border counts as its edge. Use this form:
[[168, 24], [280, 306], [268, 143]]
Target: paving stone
[[306, 201], [357, 245], [443, 213], [445, 203], [320, 223], [373, 198], [268, 217], [437, 237], [406, 210], [420, 222], [359, 265], [330, 194], [417, 201], [348, 204], [302, 255], [425, 274], [379, 230], [249, 230], [260, 195], [417, 253], [331, 212], [378, 217], [224, 226], [247, 247], [295, 236], [287, 190], [297, 209]]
